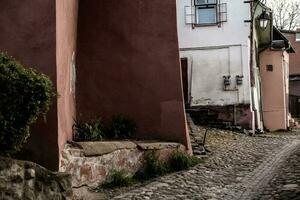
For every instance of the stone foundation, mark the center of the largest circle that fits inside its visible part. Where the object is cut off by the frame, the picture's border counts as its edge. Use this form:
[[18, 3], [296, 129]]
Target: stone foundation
[[90, 163], [20, 180], [220, 116]]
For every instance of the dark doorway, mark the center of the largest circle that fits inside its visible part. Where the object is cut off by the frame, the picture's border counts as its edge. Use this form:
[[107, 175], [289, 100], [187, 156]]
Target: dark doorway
[[184, 74], [294, 106]]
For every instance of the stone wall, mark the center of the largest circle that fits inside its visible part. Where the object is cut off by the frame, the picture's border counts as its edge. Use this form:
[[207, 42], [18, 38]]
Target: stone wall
[[22, 180], [90, 163]]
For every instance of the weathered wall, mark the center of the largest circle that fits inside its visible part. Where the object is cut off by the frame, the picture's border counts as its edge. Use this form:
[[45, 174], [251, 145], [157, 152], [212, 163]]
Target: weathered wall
[[66, 32], [260, 39], [92, 163], [216, 56], [275, 89], [295, 57], [294, 69], [21, 180], [128, 62], [206, 68], [211, 56], [27, 32], [295, 88], [205, 36]]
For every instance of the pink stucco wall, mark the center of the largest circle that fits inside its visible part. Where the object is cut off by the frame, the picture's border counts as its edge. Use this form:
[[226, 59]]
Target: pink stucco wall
[[66, 32], [274, 89], [128, 62], [27, 32]]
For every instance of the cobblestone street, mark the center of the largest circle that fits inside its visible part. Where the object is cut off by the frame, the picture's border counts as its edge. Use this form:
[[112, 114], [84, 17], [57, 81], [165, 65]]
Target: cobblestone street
[[240, 167], [286, 182]]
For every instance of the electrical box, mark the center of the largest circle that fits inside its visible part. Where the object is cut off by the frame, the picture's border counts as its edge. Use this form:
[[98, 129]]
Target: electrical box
[[227, 80], [239, 79]]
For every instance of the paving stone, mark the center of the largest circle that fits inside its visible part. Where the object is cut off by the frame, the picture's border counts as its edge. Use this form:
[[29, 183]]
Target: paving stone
[[290, 187], [238, 167], [285, 182]]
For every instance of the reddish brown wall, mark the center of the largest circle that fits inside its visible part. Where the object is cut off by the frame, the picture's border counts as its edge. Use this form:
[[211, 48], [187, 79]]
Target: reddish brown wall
[[27, 32], [128, 62], [294, 57], [66, 29]]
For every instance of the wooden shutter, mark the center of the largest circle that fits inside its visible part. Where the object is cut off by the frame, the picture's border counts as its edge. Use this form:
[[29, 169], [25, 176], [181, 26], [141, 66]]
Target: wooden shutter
[[189, 12], [222, 13]]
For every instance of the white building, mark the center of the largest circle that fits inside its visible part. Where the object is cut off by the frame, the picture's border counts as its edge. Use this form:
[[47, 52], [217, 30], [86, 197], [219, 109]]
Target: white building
[[215, 48]]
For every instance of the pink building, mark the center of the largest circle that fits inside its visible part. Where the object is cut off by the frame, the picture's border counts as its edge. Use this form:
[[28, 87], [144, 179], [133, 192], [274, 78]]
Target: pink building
[[105, 58], [294, 38], [274, 69]]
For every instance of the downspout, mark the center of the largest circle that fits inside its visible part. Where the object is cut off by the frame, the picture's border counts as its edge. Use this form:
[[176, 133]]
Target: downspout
[[252, 77], [252, 81], [252, 11]]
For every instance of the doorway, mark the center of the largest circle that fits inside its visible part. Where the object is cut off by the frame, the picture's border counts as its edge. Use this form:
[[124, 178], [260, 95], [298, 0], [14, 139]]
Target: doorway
[[184, 76]]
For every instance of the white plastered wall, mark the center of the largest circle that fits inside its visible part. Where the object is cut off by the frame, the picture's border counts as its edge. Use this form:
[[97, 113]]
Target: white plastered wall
[[217, 51]]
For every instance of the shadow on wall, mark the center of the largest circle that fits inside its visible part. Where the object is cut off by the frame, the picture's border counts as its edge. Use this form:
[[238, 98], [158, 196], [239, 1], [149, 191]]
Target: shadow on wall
[[128, 64]]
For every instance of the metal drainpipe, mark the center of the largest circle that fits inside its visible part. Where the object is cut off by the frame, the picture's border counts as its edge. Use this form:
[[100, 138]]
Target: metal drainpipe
[[252, 78], [234, 115], [252, 81]]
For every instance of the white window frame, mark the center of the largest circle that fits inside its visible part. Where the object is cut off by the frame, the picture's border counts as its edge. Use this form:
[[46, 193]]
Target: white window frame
[[190, 13], [206, 4]]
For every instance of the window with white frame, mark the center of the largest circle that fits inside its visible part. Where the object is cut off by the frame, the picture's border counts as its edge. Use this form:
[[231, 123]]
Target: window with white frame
[[297, 37], [206, 12]]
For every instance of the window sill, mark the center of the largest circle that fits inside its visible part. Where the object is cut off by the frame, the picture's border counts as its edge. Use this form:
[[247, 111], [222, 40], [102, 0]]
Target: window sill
[[204, 25]]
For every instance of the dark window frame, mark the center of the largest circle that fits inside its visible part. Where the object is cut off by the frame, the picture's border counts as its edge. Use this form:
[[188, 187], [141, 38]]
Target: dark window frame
[[270, 68]]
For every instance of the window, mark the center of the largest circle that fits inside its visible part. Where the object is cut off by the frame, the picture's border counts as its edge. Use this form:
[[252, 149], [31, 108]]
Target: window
[[206, 12], [270, 68], [297, 37]]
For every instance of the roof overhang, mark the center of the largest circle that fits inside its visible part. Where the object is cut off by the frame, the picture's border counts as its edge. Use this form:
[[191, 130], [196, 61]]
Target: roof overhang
[[279, 41]]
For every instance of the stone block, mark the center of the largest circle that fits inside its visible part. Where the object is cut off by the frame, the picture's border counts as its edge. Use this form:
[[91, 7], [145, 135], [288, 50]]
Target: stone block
[[30, 183], [76, 152], [100, 158], [64, 180], [22, 180], [29, 194], [2, 183], [29, 174], [154, 145], [101, 148], [125, 145]]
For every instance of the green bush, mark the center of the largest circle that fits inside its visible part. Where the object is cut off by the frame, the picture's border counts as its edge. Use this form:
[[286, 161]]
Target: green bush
[[121, 127], [153, 167], [88, 131], [182, 161], [24, 95], [118, 179]]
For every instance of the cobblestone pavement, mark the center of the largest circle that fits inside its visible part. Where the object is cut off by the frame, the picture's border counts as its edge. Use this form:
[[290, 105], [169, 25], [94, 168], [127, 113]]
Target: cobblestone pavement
[[240, 168], [285, 184]]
